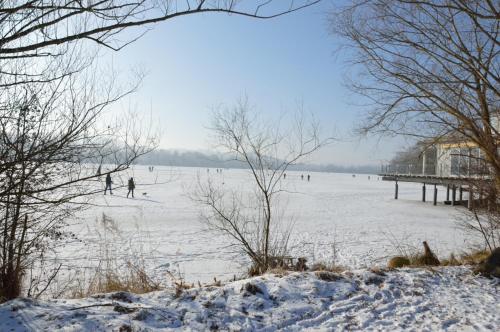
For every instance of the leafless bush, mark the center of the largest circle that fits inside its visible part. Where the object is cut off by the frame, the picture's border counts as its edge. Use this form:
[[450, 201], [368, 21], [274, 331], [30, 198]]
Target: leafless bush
[[484, 223], [483, 216], [253, 221]]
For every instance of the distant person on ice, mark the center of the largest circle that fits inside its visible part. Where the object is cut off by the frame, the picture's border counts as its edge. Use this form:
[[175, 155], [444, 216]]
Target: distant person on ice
[[108, 184], [131, 187], [308, 177]]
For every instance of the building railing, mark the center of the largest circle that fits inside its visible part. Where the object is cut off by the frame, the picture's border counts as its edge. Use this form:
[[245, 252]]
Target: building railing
[[412, 170], [408, 169]]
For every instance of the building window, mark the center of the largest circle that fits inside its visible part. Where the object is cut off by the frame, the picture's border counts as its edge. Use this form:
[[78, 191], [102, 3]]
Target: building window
[[464, 161], [455, 161]]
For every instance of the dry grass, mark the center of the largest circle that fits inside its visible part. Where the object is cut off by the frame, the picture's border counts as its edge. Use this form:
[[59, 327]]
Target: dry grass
[[327, 268], [279, 271], [472, 257], [413, 260], [328, 275], [398, 262], [132, 278], [121, 266], [285, 270], [180, 285]]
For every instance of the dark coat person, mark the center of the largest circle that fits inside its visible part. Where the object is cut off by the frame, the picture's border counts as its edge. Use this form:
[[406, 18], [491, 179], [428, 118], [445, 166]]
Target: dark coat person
[[108, 184], [131, 187]]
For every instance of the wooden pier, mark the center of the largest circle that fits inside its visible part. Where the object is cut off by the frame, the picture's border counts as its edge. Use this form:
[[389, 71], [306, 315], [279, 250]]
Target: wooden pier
[[455, 185]]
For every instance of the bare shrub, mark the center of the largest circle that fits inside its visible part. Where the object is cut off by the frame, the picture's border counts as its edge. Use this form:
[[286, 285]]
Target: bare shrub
[[253, 221], [483, 219]]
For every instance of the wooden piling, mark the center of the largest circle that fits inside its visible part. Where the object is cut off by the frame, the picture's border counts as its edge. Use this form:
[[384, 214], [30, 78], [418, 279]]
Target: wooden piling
[[435, 195], [447, 192], [453, 194], [470, 202], [423, 193]]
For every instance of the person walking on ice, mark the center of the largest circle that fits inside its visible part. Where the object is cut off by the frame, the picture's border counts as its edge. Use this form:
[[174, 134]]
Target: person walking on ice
[[131, 187], [108, 184]]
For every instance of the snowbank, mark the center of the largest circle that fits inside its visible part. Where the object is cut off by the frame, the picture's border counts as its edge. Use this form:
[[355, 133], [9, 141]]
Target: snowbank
[[449, 298]]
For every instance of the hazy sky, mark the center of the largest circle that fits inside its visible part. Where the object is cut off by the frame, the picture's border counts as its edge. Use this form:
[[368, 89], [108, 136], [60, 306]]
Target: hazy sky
[[196, 62]]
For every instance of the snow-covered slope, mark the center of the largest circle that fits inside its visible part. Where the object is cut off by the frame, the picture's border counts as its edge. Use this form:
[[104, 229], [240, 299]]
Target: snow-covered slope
[[450, 298]]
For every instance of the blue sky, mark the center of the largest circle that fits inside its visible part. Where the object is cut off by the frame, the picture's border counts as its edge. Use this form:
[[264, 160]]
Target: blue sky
[[196, 62]]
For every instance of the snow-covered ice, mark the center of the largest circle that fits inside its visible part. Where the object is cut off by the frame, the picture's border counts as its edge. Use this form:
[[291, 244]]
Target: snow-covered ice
[[441, 299], [355, 219], [352, 220]]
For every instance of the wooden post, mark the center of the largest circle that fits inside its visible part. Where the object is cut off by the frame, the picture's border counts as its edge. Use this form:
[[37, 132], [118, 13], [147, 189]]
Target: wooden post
[[435, 194], [447, 192], [460, 192], [470, 202], [423, 162], [453, 194], [396, 191], [423, 193]]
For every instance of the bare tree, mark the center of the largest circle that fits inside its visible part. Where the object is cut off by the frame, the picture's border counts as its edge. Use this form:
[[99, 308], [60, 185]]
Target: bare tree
[[51, 139], [31, 27], [430, 70], [50, 28], [50, 112], [427, 68], [254, 221], [51, 108]]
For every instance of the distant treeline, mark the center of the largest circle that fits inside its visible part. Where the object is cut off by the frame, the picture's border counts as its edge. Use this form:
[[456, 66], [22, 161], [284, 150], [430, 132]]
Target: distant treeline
[[215, 160]]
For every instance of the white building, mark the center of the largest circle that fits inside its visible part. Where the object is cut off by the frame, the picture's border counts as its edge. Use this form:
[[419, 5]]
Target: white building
[[460, 159]]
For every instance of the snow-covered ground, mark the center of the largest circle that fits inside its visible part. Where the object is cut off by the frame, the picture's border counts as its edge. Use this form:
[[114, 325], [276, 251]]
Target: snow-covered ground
[[448, 299], [354, 219]]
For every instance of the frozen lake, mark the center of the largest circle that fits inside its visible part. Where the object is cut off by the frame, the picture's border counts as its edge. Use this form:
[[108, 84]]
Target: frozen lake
[[355, 219]]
